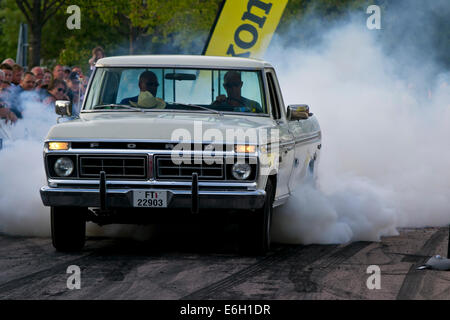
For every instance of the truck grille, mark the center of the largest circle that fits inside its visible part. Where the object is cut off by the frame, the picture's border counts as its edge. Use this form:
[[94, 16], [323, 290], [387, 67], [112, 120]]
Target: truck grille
[[114, 167], [167, 169]]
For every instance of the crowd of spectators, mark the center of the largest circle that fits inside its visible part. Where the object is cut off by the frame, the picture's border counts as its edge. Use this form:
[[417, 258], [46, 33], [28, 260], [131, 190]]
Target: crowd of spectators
[[41, 85]]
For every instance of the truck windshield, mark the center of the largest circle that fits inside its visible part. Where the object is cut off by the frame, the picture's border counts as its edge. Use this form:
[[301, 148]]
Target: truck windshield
[[150, 89]]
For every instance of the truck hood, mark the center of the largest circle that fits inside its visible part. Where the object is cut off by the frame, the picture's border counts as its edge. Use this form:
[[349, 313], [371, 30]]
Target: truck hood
[[158, 126]]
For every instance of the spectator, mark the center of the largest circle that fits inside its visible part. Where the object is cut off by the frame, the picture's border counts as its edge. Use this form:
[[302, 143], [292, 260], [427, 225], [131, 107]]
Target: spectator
[[2, 79], [5, 113], [47, 79], [97, 54], [75, 92], [56, 91], [83, 79], [38, 72], [67, 72], [26, 84], [9, 61], [58, 72], [8, 70], [5, 93], [3, 83], [17, 74]]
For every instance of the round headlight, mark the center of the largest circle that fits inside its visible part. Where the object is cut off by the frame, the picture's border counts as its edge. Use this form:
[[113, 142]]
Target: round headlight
[[241, 171], [64, 167]]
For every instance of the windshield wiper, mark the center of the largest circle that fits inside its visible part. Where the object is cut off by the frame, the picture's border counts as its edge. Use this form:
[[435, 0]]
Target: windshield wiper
[[200, 107], [112, 105]]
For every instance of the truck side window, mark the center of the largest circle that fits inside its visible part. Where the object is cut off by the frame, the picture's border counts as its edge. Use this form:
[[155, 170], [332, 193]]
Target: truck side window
[[274, 102]]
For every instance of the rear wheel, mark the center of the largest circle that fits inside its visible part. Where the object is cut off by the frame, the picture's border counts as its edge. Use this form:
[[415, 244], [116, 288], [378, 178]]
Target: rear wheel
[[255, 231], [68, 228]]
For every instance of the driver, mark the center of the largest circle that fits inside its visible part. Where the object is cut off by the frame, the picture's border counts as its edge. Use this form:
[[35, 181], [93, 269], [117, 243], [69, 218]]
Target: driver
[[233, 85], [148, 85]]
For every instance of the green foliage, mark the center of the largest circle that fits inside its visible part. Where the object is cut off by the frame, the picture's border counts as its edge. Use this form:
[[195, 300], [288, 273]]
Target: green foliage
[[10, 19], [74, 47], [149, 26]]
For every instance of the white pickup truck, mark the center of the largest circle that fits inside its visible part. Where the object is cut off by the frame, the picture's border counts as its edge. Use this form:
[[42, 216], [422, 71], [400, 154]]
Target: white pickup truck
[[164, 137]]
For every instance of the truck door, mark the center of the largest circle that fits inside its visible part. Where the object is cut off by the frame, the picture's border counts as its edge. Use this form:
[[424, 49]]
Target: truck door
[[287, 142]]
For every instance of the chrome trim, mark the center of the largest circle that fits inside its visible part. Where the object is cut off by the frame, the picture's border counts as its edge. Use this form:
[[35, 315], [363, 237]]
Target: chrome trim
[[227, 158], [284, 144], [154, 183], [202, 167], [309, 138], [124, 152], [123, 198], [100, 165], [137, 140], [78, 155], [132, 152]]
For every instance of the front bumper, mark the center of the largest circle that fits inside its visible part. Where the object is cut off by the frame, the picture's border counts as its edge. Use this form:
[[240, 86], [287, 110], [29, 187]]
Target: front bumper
[[123, 198]]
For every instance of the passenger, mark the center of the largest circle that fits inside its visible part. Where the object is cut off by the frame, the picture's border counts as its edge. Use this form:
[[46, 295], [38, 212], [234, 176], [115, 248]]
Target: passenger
[[233, 85], [148, 85]]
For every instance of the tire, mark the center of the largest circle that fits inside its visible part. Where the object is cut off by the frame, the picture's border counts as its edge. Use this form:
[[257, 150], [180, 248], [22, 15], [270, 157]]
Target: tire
[[255, 232], [68, 228]]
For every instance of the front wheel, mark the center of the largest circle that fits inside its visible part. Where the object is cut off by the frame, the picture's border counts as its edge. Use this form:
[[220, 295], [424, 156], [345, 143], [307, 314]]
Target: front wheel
[[255, 232], [68, 228]]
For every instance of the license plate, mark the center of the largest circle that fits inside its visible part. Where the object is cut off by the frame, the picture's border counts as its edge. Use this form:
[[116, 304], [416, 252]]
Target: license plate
[[149, 199]]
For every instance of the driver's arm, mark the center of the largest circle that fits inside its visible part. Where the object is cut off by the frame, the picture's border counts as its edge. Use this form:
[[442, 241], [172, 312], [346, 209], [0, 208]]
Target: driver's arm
[[220, 100]]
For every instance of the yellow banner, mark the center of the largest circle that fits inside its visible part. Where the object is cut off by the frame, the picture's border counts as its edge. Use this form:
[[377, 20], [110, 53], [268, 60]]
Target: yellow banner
[[245, 28]]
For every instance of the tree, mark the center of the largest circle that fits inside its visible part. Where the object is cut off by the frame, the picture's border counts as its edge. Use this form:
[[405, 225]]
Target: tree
[[144, 22], [10, 19], [37, 13]]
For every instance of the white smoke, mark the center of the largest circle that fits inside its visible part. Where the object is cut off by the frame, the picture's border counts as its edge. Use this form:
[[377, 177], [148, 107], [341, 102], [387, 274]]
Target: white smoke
[[384, 161], [22, 171]]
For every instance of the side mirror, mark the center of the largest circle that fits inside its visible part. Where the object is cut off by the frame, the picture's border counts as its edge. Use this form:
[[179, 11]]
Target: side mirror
[[63, 108], [298, 112]]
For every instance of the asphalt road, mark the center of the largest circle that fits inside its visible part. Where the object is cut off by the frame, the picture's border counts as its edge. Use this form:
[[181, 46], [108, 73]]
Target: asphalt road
[[204, 263]]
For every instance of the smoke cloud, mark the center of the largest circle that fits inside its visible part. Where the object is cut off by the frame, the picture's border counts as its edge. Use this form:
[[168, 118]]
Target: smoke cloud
[[384, 162], [22, 172]]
